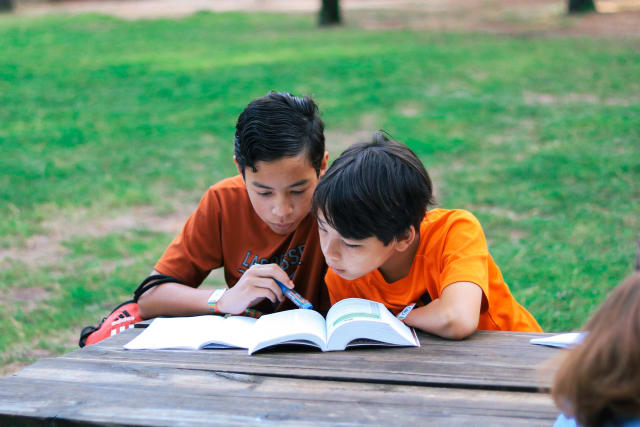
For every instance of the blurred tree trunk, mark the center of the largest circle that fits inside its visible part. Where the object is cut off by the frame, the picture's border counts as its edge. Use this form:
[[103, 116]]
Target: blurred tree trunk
[[580, 6], [6, 5], [330, 13]]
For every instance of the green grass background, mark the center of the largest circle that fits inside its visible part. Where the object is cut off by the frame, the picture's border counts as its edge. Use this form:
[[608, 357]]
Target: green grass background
[[538, 137]]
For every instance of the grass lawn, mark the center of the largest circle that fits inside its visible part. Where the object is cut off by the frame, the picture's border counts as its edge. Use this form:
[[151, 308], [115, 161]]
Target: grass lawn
[[107, 127]]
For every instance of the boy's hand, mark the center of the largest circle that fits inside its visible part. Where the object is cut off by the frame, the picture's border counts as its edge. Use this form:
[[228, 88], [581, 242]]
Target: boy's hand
[[255, 285]]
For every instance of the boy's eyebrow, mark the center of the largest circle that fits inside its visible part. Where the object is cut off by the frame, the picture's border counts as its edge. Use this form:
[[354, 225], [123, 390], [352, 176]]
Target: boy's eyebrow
[[295, 184]]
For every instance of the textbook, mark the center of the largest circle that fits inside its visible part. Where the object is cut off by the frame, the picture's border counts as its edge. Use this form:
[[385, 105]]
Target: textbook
[[350, 322]]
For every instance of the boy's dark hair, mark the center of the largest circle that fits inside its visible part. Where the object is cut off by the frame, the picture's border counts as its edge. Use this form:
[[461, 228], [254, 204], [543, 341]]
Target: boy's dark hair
[[279, 125], [378, 188]]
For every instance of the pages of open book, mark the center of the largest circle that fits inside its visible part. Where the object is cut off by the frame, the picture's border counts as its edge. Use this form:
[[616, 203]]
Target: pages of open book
[[192, 333], [354, 318], [367, 322], [292, 326]]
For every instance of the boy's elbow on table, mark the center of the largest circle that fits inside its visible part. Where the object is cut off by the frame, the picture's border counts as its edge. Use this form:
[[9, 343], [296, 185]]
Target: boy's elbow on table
[[455, 315], [145, 308], [461, 302], [456, 325], [461, 327], [447, 322]]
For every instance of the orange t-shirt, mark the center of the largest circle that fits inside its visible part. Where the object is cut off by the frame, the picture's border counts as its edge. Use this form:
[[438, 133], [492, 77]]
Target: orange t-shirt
[[224, 231], [452, 249]]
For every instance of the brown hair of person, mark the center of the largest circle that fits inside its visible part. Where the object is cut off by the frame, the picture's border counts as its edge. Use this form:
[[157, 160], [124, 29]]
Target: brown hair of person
[[598, 382]]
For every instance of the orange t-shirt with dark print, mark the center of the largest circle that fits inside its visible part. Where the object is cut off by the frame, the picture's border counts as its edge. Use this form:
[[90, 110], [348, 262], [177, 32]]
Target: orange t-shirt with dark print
[[225, 231], [452, 249]]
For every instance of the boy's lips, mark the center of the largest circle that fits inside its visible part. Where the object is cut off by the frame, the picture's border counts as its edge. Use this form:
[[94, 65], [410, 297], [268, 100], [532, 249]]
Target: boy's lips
[[283, 227], [338, 271]]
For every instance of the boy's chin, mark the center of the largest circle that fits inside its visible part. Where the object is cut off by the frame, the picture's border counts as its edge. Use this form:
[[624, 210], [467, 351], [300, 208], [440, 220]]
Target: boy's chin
[[345, 274], [283, 229]]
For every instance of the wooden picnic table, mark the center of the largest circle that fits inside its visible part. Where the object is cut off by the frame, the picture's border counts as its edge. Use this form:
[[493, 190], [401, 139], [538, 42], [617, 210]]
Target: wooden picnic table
[[491, 378]]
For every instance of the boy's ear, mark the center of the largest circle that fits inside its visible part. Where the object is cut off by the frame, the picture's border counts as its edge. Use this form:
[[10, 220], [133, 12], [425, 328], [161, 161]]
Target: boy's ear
[[407, 239], [325, 163]]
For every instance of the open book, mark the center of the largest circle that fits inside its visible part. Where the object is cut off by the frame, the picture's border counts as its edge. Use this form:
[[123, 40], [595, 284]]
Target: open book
[[350, 322]]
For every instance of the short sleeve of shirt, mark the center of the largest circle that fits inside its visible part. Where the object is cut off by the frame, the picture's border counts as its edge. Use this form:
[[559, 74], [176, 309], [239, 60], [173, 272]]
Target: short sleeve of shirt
[[196, 250], [465, 256]]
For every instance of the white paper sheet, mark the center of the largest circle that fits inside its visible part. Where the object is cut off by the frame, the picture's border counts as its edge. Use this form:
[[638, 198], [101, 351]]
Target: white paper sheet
[[568, 340]]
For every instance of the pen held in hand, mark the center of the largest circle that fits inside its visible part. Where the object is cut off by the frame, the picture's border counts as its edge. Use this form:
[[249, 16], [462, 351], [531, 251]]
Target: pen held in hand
[[405, 311], [295, 297]]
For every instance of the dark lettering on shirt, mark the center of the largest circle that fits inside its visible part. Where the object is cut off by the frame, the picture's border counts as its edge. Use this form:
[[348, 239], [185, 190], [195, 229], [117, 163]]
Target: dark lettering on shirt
[[288, 261], [246, 259]]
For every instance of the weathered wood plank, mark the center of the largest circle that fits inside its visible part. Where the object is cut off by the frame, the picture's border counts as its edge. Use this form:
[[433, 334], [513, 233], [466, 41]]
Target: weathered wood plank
[[487, 360], [61, 391]]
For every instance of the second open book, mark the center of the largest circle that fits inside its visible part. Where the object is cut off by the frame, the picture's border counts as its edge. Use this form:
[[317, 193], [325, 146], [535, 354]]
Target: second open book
[[350, 322]]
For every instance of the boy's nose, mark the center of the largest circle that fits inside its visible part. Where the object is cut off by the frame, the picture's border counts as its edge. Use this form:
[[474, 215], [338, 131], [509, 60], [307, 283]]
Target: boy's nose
[[331, 250], [282, 209]]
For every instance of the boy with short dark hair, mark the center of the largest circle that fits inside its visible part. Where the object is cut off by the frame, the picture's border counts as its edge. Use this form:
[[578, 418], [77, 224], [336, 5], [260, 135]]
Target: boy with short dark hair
[[382, 244], [257, 225]]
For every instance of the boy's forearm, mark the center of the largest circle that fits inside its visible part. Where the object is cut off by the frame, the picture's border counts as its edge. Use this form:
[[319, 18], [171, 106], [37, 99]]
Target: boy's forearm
[[454, 315], [174, 299], [437, 319]]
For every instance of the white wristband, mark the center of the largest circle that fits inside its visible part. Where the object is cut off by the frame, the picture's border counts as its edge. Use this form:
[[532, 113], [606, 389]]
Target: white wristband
[[214, 298]]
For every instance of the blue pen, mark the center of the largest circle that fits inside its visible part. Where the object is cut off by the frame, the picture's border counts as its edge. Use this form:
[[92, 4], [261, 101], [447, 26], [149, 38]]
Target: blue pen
[[295, 297], [405, 311]]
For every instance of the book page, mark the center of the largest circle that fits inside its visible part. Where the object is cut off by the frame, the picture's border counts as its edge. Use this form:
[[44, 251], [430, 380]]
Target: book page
[[369, 322], [292, 327], [192, 333], [350, 310]]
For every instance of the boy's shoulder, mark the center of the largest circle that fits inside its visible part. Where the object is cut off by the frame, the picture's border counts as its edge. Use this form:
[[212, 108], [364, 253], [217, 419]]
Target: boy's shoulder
[[444, 217], [232, 183], [228, 195], [446, 224], [231, 187]]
